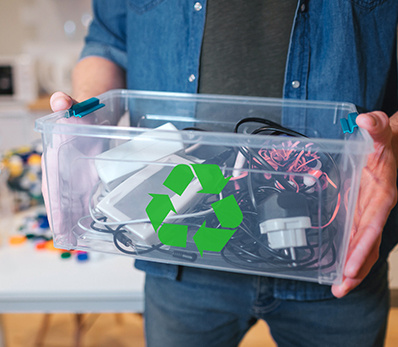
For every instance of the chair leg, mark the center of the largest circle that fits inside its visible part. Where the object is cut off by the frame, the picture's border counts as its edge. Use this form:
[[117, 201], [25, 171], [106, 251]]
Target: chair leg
[[43, 330], [3, 340], [82, 326], [79, 325]]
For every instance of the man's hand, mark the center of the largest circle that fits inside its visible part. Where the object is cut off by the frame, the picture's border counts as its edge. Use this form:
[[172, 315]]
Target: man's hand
[[60, 101], [377, 196], [91, 76]]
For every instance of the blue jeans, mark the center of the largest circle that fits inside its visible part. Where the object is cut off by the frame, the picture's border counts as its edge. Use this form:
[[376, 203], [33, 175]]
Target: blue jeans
[[212, 308]]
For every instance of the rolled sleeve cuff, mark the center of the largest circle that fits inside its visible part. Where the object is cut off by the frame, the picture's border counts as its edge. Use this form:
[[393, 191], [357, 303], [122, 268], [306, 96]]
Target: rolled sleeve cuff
[[108, 52]]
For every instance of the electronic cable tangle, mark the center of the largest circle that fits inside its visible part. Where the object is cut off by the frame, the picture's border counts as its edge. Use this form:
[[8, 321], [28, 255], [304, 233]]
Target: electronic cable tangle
[[247, 248], [119, 237], [279, 259]]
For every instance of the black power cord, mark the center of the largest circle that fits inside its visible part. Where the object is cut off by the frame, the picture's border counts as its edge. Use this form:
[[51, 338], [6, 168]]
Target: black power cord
[[124, 244]]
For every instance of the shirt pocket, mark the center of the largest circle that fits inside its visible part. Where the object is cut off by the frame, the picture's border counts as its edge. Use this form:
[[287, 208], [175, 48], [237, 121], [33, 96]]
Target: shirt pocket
[[142, 6], [368, 4]]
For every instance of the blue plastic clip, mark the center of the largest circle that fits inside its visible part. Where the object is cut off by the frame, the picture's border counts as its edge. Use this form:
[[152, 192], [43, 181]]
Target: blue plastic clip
[[84, 108], [349, 124]]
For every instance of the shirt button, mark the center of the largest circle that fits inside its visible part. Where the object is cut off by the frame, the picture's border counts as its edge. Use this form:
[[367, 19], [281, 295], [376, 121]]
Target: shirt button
[[197, 6], [191, 78], [296, 84], [303, 8]]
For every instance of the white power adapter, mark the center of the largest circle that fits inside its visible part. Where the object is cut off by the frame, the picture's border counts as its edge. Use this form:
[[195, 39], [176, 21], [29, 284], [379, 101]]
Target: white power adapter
[[286, 232], [284, 218], [128, 201], [119, 162]]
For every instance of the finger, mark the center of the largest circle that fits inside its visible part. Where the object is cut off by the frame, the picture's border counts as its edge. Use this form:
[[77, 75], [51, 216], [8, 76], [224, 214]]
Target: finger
[[377, 124], [368, 231], [363, 257], [345, 287], [60, 101], [366, 237], [349, 283]]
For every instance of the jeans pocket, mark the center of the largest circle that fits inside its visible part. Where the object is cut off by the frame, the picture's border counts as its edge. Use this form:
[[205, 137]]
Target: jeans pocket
[[367, 4], [142, 6]]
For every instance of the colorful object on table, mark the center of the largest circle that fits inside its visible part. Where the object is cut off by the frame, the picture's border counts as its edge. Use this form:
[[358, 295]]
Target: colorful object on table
[[40, 245], [82, 256], [66, 255], [24, 175], [46, 245], [17, 239], [36, 229]]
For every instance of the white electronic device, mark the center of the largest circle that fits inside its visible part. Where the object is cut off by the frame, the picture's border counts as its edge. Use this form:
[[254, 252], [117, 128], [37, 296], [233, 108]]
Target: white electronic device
[[128, 201], [286, 232], [119, 162]]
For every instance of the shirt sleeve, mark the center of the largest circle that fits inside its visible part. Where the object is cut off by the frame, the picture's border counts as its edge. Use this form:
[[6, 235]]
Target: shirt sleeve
[[106, 36]]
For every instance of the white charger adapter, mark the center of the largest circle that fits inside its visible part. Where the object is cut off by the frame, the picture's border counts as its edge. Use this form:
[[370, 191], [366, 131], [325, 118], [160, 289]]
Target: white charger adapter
[[284, 218], [128, 201], [117, 163]]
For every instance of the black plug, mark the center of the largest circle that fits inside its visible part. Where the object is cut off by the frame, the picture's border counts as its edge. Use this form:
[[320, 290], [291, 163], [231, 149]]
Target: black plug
[[123, 239]]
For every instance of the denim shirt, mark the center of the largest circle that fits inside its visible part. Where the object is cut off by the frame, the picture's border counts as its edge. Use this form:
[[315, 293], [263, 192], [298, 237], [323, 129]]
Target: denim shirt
[[340, 50]]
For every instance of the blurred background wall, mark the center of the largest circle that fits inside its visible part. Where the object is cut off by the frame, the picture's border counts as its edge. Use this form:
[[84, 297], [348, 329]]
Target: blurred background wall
[[48, 34]]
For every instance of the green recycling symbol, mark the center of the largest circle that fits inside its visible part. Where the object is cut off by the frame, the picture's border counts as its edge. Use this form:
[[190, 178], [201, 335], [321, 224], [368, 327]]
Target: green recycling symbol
[[226, 209]]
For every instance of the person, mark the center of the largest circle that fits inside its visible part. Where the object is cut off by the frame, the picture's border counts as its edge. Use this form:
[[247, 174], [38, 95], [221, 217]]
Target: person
[[337, 50]]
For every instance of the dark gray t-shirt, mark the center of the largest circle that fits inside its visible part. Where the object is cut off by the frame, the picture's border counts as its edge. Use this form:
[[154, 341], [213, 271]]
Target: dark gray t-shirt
[[245, 46]]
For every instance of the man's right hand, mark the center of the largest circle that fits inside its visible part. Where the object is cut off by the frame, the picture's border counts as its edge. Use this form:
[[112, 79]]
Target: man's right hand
[[60, 101]]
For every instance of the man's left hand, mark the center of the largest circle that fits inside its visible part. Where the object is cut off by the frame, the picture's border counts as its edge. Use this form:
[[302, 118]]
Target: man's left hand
[[377, 196]]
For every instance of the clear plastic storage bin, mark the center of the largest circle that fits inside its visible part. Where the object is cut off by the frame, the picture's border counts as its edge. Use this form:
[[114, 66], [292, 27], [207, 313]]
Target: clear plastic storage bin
[[251, 185]]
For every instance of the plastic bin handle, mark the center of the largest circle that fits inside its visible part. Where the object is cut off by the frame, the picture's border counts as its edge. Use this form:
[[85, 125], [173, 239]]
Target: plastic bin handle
[[348, 125], [84, 108]]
